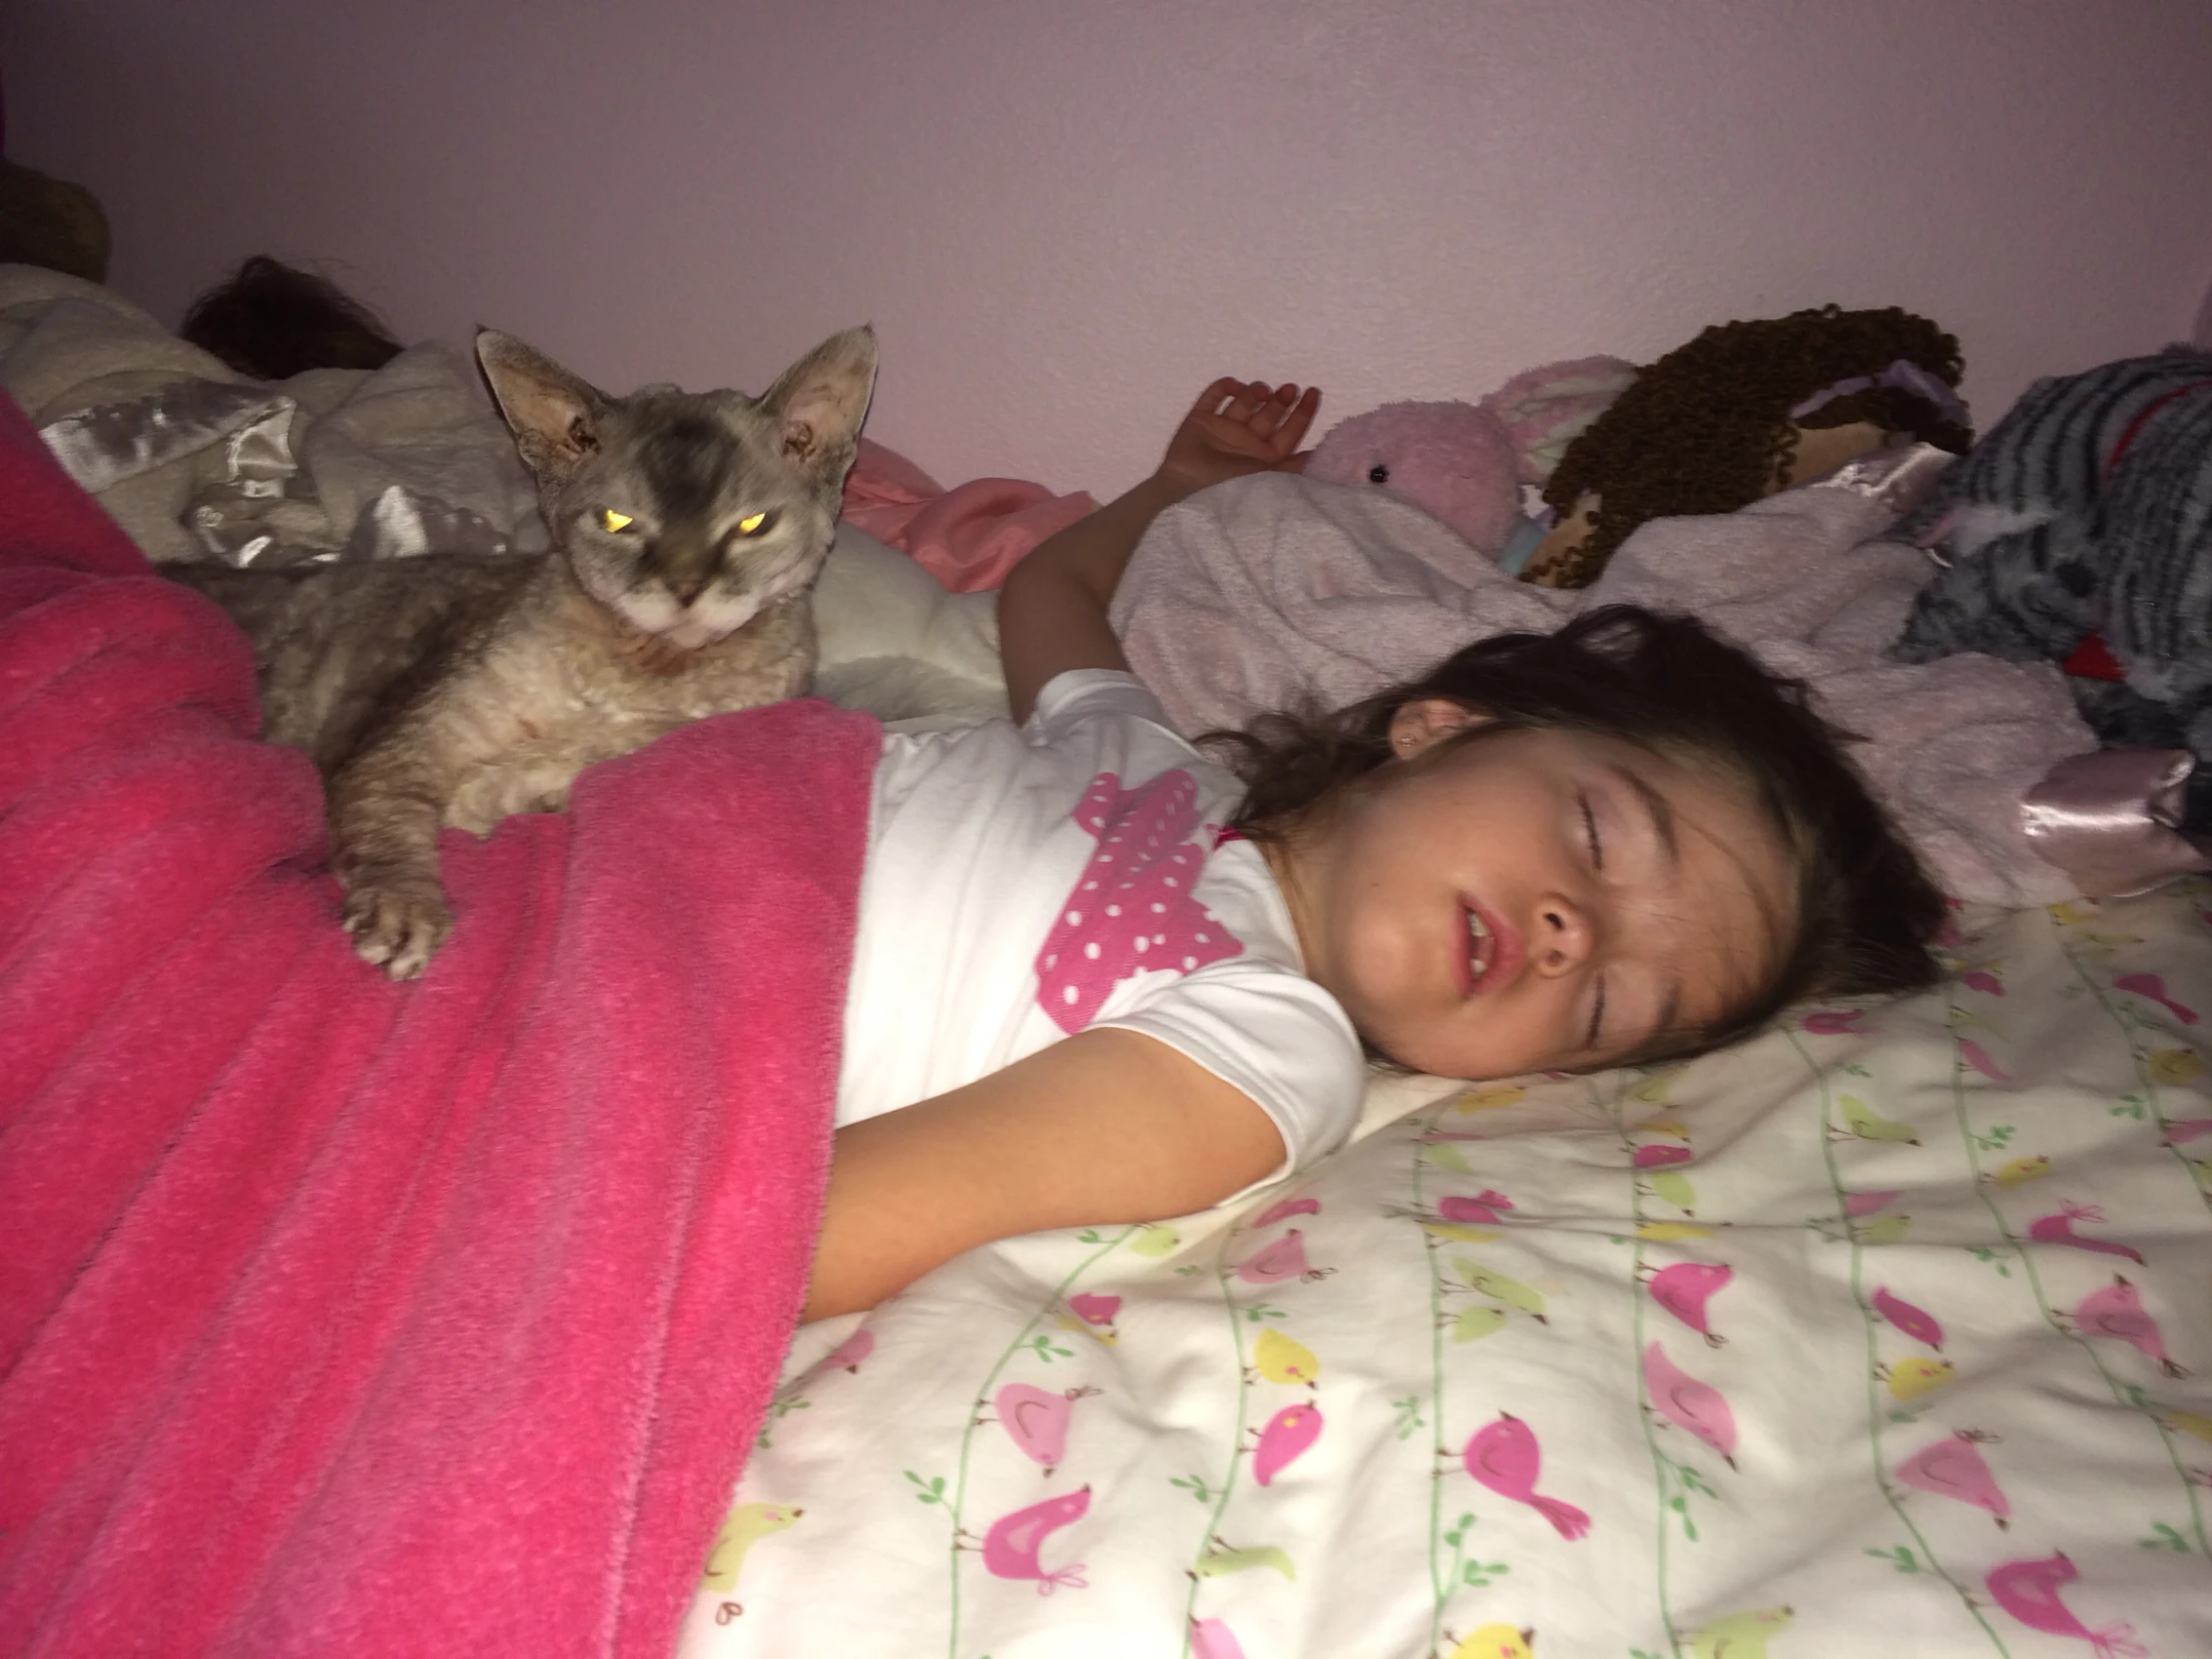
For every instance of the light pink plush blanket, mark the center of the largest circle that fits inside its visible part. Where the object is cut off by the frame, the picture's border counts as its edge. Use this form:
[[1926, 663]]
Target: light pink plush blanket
[[1260, 592], [969, 536], [347, 1318]]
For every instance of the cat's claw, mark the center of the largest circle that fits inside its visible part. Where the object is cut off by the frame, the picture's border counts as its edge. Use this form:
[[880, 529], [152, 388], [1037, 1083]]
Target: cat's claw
[[396, 928]]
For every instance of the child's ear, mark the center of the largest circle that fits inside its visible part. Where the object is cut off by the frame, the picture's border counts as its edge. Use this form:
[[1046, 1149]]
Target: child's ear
[[821, 401], [554, 415], [1419, 726]]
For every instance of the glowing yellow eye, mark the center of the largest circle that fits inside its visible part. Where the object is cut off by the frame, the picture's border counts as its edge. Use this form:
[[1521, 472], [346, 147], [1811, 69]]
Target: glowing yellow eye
[[614, 520], [752, 526]]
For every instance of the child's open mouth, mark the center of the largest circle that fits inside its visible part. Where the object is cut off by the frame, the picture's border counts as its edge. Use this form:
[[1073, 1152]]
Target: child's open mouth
[[1494, 949], [1482, 946]]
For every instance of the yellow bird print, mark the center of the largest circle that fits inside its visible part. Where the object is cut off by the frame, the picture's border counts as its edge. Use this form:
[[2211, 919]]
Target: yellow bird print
[[2174, 1065], [1911, 1378], [1105, 1336], [1869, 1125], [1498, 1641], [1155, 1240], [1474, 1324], [2189, 1423], [1883, 1230], [741, 1528], [1672, 1128], [1653, 1090], [1673, 1232], [1739, 1635], [1499, 1287], [1221, 1560], [1281, 1358], [2019, 1171], [1489, 1098], [1460, 1231]]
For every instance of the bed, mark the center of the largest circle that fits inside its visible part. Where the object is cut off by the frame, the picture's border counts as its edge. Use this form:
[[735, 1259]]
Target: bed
[[1886, 1332], [1883, 1333]]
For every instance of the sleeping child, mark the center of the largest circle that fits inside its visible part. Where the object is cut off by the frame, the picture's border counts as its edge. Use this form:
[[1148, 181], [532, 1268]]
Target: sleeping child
[[1103, 975]]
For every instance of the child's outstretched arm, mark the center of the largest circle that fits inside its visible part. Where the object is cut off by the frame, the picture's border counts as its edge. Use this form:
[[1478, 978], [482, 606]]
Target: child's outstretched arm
[[1052, 609], [1105, 1127]]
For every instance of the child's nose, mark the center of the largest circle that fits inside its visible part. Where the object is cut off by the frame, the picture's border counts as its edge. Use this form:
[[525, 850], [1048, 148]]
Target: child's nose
[[1563, 938]]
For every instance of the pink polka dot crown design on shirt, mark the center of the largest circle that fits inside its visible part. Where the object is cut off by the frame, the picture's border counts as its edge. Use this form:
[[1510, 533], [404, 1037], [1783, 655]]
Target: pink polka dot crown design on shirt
[[1131, 909]]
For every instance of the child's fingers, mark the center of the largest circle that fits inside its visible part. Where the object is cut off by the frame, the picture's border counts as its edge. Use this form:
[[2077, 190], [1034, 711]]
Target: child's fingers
[[1298, 419], [1220, 396], [1263, 409]]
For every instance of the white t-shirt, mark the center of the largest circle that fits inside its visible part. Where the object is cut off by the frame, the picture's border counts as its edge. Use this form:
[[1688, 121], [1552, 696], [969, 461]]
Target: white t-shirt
[[1023, 883]]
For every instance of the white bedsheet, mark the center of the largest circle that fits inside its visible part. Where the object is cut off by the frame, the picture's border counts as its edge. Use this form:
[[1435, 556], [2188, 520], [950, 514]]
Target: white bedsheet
[[1885, 1333]]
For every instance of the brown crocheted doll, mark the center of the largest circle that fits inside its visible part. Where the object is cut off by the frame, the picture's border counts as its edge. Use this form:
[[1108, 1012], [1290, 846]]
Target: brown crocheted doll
[[1743, 410]]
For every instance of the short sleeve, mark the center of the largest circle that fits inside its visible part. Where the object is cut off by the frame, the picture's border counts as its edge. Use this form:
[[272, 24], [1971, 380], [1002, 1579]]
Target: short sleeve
[[1275, 1035]]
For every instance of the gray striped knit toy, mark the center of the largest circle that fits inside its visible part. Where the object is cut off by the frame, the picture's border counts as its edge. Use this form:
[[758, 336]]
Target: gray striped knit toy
[[2088, 510]]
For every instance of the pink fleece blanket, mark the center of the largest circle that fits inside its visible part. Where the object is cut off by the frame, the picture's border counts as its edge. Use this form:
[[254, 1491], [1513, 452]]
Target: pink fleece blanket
[[340, 1317]]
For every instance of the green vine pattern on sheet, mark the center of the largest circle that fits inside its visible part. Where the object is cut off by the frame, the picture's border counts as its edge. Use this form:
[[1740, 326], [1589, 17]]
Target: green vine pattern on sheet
[[1665, 1472], [1224, 1275], [1877, 1419], [2124, 1393], [1027, 1339], [1440, 1588], [2131, 1023]]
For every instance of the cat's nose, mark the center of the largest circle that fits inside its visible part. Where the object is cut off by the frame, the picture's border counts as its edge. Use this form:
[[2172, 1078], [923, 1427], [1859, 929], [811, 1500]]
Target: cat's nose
[[688, 587]]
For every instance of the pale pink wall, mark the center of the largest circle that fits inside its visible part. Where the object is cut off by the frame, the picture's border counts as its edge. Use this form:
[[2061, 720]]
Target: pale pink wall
[[1063, 216]]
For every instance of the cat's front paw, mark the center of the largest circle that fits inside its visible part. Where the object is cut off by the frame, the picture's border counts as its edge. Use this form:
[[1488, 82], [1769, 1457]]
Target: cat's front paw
[[397, 921]]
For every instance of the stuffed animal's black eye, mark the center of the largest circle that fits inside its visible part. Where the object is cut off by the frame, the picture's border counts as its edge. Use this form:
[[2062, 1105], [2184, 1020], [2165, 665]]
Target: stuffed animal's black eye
[[1379, 473]]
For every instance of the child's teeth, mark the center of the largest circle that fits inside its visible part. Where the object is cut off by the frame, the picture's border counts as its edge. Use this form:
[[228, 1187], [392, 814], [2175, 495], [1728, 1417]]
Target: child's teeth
[[1480, 957]]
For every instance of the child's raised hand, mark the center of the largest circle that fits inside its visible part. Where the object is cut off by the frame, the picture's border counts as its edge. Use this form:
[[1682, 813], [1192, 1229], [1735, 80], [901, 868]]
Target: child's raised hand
[[1235, 428]]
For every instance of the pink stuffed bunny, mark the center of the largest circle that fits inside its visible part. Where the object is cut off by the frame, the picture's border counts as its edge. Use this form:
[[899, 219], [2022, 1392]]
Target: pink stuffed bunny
[[1465, 463], [1452, 460]]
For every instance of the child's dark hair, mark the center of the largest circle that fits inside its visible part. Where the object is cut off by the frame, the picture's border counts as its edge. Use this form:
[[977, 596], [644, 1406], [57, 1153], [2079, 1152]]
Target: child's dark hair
[[272, 322], [1864, 911]]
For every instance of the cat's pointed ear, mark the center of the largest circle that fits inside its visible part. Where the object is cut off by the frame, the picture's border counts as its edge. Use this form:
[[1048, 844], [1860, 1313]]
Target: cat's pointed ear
[[554, 415], [821, 401]]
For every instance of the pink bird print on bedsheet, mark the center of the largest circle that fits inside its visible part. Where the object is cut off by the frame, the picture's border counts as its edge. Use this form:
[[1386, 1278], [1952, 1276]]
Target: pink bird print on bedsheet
[[1036, 1419], [1827, 1022], [2153, 987], [1288, 1436], [2028, 1590], [1485, 1210], [1686, 1287], [1917, 1322], [1010, 1548], [1866, 1204], [2058, 1229], [1954, 1468], [1505, 1458], [849, 1355], [1284, 1259], [1130, 909], [1978, 1057], [1283, 1210], [2117, 1311], [1688, 1404]]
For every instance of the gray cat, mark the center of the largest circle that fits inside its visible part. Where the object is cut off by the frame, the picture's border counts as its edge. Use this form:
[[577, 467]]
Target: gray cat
[[456, 689]]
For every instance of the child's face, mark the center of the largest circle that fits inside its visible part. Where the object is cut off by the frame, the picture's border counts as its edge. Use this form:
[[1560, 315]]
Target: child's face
[[1625, 897]]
